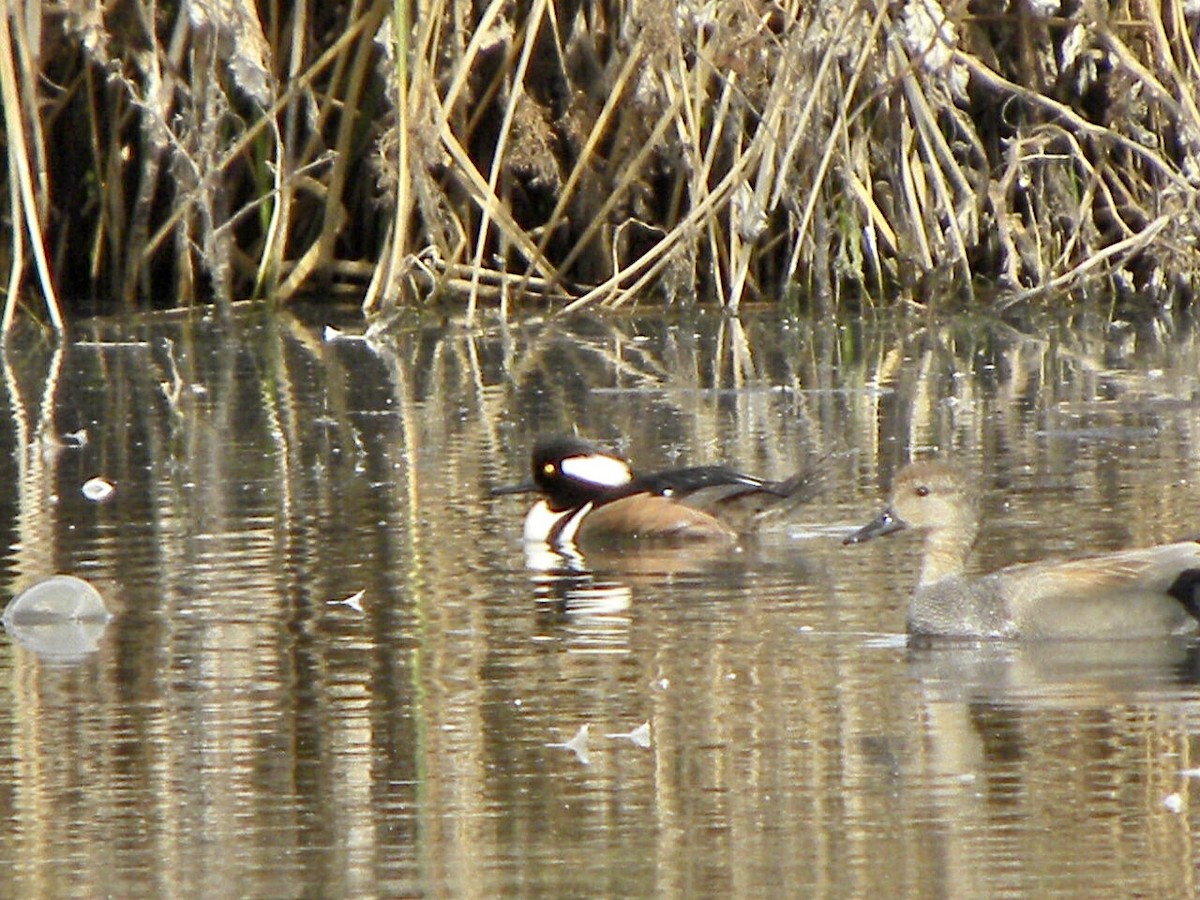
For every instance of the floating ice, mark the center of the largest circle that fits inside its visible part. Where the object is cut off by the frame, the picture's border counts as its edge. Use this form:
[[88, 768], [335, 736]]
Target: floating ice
[[354, 601], [639, 735], [98, 490], [61, 618], [577, 745], [329, 334]]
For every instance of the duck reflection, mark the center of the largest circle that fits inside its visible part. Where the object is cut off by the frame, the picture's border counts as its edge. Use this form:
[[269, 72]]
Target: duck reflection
[[1034, 733], [592, 595], [1044, 671], [996, 710]]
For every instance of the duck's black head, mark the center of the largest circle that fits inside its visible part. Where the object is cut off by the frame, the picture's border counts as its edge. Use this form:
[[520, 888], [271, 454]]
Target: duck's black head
[[570, 472]]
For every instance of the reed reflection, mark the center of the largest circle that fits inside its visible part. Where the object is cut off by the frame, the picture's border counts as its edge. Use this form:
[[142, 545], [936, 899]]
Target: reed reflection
[[241, 729]]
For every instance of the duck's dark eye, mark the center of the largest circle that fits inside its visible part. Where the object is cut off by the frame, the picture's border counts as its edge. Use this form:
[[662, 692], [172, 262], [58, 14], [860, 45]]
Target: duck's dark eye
[[922, 490]]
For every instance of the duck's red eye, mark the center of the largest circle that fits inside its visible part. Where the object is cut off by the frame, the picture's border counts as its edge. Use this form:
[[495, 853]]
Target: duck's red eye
[[922, 490]]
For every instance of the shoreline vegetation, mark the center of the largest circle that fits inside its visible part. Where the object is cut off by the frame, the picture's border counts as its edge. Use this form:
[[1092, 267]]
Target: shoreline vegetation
[[571, 154]]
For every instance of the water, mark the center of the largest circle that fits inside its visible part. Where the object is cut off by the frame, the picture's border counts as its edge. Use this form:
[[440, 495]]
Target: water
[[333, 672]]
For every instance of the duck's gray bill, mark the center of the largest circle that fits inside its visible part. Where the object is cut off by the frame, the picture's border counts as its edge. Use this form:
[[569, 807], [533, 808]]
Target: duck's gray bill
[[886, 522]]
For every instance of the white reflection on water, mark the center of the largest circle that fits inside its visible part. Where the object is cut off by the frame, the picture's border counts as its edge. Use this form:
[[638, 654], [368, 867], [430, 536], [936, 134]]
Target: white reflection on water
[[236, 728]]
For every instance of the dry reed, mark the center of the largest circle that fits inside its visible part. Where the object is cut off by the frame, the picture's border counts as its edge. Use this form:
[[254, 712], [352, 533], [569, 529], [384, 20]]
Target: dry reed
[[597, 154]]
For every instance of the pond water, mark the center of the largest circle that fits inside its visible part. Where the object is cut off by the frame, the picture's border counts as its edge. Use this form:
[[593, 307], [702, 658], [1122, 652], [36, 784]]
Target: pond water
[[332, 670]]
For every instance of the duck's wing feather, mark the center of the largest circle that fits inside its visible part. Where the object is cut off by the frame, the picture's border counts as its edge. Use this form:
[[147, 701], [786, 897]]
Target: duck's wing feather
[[1148, 569], [674, 482], [1152, 591], [742, 502]]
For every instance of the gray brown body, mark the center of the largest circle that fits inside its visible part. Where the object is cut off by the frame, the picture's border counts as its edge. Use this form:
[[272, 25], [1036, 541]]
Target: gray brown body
[[1149, 592]]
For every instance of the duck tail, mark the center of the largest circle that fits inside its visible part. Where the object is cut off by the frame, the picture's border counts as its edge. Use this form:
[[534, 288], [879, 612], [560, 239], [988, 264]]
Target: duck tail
[[1186, 589], [805, 485]]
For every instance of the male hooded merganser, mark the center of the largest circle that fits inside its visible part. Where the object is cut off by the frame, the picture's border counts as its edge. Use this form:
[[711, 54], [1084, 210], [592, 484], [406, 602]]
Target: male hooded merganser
[[592, 495]]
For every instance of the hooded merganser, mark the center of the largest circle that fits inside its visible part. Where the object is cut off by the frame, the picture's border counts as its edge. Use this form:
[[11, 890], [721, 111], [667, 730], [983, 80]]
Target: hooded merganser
[[592, 495]]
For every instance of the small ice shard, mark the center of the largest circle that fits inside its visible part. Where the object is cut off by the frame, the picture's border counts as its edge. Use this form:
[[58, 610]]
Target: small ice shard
[[639, 735], [354, 601], [330, 334], [97, 489], [577, 745], [60, 618], [75, 438], [1173, 803], [1190, 773]]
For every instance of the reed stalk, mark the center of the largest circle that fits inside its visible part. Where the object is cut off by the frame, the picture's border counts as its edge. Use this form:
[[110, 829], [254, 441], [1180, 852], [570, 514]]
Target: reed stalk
[[28, 190]]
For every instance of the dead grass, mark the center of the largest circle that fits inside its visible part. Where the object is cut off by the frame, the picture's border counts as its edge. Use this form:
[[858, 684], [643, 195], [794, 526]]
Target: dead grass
[[600, 154]]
